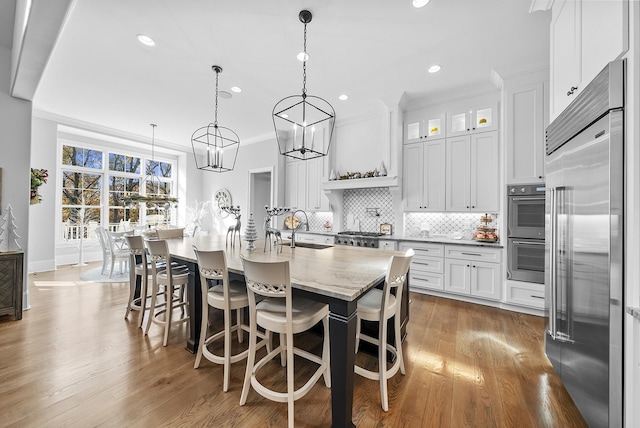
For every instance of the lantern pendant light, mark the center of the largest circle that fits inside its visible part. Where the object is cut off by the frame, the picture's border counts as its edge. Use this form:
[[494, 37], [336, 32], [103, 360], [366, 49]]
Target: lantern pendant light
[[301, 121], [216, 144]]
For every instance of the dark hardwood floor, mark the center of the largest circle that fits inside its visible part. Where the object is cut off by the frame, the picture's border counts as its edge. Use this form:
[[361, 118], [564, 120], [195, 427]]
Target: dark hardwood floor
[[74, 361]]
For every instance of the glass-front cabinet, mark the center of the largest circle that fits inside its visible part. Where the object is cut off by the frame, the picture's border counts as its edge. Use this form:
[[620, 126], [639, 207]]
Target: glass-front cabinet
[[421, 125], [474, 119]]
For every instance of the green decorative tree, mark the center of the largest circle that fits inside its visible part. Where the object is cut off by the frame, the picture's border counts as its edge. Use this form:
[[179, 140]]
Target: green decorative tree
[[250, 233]]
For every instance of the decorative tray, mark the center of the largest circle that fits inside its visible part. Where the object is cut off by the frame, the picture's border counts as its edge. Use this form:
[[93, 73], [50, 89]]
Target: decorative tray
[[291, 222]]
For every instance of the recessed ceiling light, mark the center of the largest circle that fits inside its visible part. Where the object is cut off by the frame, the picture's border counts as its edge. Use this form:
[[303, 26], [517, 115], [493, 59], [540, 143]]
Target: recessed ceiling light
[[236, 89], [303, 56], [146, 40], [434, 68], [420, 3], [224, 94], [284, 115], [343, 97]]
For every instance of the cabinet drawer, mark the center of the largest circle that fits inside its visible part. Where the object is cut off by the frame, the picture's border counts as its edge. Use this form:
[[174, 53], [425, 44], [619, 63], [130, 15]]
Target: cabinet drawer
[[481, 254], [427, 264], [422, 249], [387, 245], [531, 295], [426, 280]]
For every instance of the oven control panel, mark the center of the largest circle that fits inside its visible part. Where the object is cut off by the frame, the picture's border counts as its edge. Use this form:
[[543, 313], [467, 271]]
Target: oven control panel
[[526, 189]]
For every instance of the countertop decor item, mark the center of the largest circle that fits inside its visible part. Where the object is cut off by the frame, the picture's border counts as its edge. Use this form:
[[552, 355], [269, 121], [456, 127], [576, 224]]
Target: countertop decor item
[[271, 233], [38, 178], [291, 222], [386, 228], [296, 117], [250, 233], [234, 228], [220, 144], [485, 233]]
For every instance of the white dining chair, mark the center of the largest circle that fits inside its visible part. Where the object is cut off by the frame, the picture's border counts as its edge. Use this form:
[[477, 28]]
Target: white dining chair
[[381, 305], [170, 233], [110, 253], [173, 280], [279, 312], [227, 296], [142, 269]]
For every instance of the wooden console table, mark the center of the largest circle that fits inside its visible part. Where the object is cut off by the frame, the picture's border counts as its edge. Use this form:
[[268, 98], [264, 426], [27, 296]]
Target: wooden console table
[[11, 265]]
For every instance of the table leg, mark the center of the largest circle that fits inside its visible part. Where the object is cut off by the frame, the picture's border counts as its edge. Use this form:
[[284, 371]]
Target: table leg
[[342, 332], [195, 306]]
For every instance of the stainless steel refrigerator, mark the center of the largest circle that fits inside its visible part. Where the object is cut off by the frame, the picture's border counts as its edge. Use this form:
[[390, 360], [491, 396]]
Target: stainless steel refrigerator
[[584, 234]]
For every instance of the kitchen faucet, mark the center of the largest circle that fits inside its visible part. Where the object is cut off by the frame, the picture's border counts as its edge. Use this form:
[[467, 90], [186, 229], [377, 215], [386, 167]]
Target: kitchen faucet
[[293, 231]]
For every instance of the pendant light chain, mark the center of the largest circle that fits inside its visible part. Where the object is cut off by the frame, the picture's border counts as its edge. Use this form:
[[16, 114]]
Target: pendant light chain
[[304, 64], [215, 122], [153, 143]]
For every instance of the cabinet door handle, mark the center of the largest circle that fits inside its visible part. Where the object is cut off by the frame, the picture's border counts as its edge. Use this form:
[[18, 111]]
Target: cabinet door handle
[[572, 90], [537, 297], [471, 254]]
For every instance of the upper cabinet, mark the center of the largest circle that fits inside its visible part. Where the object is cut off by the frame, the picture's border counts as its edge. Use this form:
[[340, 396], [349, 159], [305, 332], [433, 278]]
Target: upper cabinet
[[472, 173], [303, 181], [424, 175], [479, 118], [420, 125], [526, 112], [585, 36]]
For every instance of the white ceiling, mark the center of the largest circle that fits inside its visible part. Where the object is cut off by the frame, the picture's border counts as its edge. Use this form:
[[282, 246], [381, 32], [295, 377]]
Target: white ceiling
[[374, 50]]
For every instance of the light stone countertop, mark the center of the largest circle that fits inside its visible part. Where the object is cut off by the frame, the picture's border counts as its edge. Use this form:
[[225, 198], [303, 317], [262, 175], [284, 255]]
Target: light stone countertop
[[432, 239], [338, 271]]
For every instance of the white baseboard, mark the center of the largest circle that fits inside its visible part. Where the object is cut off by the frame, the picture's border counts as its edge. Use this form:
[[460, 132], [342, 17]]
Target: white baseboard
[[41, 266]]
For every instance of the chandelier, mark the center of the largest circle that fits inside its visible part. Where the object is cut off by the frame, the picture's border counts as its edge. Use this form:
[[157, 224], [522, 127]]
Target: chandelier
[[218, 144], [152, 182], [298, 119]]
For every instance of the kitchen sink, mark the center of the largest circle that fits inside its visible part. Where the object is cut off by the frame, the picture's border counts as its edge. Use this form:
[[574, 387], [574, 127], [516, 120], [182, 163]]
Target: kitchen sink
[[312, 245]]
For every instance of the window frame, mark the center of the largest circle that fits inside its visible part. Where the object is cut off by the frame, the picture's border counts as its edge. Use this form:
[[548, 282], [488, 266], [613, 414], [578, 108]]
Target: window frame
[[107, 174]]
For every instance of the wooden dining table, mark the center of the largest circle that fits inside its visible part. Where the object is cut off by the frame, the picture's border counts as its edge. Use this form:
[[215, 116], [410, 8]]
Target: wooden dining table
[[337, 275]]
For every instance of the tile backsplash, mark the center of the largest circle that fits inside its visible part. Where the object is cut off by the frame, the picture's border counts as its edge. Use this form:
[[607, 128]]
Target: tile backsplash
[[447, 224], [370, 206]]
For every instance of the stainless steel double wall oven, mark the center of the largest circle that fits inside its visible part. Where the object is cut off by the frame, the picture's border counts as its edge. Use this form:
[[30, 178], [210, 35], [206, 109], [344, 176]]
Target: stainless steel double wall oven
[[525, 232]]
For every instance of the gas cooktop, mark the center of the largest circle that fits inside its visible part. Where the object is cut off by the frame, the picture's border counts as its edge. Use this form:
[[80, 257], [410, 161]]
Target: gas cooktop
[[356, 233]]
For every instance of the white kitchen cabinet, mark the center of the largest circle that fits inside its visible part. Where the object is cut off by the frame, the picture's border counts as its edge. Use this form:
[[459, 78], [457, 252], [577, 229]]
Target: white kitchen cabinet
[[473, 271], [525, 294], [295, 182], [480, 118], [472, 173], [312, 237], [585, 36], [420, 125], [427, 266], [526, 119], [303, 185], [316, 200], [424, 176]]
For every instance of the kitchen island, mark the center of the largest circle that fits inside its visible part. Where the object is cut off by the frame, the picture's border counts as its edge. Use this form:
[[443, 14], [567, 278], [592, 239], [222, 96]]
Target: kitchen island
[[337, 275]]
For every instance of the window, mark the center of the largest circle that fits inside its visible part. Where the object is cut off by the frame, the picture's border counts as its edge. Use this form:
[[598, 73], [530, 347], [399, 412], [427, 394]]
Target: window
[[124, 180], [81, 190], [95, 181]]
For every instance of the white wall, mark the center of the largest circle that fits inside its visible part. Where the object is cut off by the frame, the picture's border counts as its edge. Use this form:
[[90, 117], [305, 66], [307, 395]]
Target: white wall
[[15, 123], [251, 156], [362, 143], [46, 129], [42, 215]]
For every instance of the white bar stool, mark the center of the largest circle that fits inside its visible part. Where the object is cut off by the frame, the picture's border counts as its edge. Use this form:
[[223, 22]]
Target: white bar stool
[[381, 305], [279, 312]]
